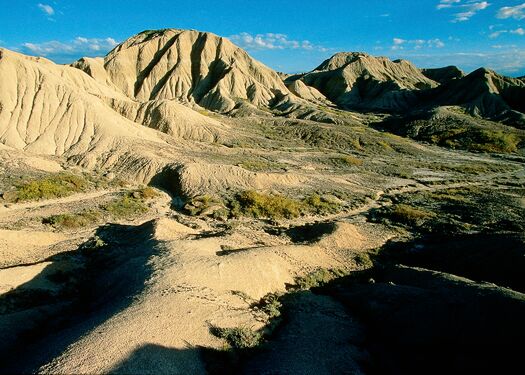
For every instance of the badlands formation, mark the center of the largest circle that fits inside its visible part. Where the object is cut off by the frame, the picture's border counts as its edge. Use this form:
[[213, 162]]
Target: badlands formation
[[179, 207]]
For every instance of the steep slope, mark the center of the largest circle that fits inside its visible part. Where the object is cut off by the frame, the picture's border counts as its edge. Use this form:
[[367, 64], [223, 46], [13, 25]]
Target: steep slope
[[188, 66], [360, 81], [486, 94], [56, 110], [443, 75]]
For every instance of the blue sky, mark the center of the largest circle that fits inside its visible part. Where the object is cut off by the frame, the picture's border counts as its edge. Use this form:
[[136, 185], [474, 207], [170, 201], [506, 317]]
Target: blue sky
[[289, 36]]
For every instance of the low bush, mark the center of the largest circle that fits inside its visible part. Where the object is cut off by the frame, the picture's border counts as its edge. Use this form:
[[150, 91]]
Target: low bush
[[126, 207], [55, 186], [258, 205], [317, 278], [238, 337], [73, 220], [346, 160], [320, 205], [409, 215], [275, 206]]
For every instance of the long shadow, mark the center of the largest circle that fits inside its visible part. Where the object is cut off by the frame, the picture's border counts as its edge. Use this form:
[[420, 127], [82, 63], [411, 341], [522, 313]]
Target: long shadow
[[158, 359], [498, 258], [423, 322], [92, 284]]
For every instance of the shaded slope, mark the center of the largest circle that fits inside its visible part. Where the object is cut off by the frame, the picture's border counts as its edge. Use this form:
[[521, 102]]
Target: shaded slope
[[360, 81], [486, 94], [443, 75]]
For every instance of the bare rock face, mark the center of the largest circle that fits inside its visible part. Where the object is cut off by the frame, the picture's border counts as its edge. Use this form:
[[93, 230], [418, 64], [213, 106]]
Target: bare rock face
[[309, 93], [57, 110], [188, 66], [360, 81]]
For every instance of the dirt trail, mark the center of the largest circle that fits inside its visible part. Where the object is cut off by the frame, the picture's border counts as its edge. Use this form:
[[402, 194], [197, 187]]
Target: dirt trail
[[10, 209]]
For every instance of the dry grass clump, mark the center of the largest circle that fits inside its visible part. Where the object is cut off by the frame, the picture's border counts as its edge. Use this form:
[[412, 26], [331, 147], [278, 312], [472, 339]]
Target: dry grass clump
[[238, 337], [276, 206], [74, 220], [317, 278], [484, 140], [346, 161], [258, 205], [55, 186], [320, 205], [129, 205], [406, 214]]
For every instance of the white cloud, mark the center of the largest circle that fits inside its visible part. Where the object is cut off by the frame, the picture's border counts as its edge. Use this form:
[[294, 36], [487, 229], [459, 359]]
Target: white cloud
[[399, 44], [446, 3], [47, 9], [465, 9], [495, 34], [78, 46], [272, 41], [505, 59], [516, 12]]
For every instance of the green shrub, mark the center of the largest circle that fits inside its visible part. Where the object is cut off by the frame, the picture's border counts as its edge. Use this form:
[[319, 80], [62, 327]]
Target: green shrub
[[126, 207], [495, 141], [55, 186], [238, 337], [256, 165], [410, 215], [73, 220], [317, 278], [346, 160], [320, 205], [478, 140], [258, 205], [270, 305]]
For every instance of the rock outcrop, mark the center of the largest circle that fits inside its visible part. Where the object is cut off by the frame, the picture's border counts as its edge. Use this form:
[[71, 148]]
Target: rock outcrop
[[189, 66], [360, 81]]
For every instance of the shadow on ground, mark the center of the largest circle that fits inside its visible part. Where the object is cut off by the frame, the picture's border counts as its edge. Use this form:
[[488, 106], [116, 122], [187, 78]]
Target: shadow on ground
[[90, 285]]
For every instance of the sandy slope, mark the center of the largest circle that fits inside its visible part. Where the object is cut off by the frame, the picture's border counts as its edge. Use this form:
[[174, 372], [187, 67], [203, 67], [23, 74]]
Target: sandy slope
[[191, 289]]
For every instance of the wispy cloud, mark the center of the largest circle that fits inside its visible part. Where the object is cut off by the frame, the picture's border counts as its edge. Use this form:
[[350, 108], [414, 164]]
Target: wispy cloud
[[465, 10], [503, 59], [47, 9], [272, 41], [415, 44], [518, 31], [78, 47], [517, 12], [446, 3]]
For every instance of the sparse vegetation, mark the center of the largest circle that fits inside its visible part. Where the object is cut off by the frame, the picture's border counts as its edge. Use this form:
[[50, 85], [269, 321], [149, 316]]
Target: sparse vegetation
[[258, 205], [274, 206], [73, 220], [406, 214], [317, 278], [321, 205], [205, 205], [125, 207], [238, 337], [270, 305], [346, 161], [484, 140], [54, 186], [260, 165]]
